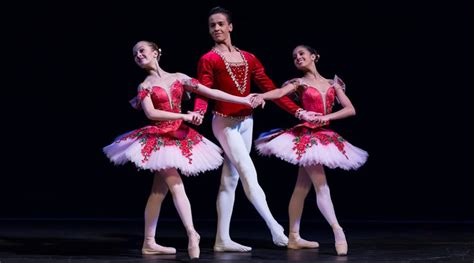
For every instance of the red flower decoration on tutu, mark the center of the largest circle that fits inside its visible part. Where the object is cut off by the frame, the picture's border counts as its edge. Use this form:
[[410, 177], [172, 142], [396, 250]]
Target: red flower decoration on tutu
[[303, 142], [152, 139], [339, 142], [306, 137]]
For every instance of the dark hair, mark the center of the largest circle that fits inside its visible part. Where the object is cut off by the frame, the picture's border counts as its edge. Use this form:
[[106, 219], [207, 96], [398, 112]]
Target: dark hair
[[221, 10], [310, 49]]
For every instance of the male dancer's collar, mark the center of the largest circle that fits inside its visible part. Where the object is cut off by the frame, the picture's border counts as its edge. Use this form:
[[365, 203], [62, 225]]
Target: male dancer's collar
[[240, 87]]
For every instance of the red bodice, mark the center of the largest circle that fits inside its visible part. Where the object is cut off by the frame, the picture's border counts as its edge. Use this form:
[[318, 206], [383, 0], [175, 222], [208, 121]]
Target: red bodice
[[213, 73], [313, 99]]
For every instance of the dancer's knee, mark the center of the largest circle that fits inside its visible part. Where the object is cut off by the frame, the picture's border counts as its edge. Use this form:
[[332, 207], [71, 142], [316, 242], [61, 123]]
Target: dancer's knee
[[301, 192], [254, 192], [177, 189], [229, 184], [323, 191], [159, 196]]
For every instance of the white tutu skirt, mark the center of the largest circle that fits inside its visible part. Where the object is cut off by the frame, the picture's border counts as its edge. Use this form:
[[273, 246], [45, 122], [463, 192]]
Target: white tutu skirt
[[148, 148], [306, 146]]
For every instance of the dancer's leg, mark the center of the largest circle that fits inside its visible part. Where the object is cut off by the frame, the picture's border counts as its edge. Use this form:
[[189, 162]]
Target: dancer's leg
[[236, 140], [225, 203], [325, 205], [181, 202], [295, 210], [152, 212]]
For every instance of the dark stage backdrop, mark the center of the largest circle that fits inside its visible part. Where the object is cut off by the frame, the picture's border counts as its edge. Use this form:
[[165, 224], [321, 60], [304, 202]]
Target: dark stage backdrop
[[71, 74]]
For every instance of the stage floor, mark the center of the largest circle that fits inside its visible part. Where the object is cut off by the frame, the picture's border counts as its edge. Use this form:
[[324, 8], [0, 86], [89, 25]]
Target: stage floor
[[119, 240]]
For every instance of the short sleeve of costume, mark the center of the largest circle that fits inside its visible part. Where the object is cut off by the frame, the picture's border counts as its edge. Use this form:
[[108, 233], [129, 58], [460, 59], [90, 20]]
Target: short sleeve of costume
[[190, 83], [297, 82], [338, 83], [142, 94]]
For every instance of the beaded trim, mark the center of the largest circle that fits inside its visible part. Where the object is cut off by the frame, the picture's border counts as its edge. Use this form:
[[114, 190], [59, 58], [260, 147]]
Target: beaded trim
[[231, 117], [242, 87]]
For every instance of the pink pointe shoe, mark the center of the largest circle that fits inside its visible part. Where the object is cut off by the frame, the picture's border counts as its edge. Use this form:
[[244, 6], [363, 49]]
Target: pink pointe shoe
[[193, 249], [340, 243], [157, 250], [296, 242]]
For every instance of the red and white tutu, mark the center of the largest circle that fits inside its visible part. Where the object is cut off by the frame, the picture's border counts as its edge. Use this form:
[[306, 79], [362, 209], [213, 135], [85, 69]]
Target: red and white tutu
[[153, 149], [305, 146]]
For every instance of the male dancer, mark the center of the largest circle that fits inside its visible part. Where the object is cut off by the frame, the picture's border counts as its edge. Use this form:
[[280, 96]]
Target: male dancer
[[230, 69]]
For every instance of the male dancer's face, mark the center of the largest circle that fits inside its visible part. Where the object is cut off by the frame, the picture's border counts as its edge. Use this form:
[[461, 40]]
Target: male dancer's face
[[219, 28]]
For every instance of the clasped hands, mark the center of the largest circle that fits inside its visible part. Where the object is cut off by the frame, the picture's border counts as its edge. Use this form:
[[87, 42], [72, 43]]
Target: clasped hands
[[194, 117], [256, 100], [314, 117]]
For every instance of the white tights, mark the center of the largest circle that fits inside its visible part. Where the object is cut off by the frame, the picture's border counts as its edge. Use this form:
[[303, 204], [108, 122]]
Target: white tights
[[308, 176], [235, 137], [163, 181]]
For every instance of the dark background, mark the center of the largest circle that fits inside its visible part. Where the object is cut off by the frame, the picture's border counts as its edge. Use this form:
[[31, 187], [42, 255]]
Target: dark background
[[70, 73]]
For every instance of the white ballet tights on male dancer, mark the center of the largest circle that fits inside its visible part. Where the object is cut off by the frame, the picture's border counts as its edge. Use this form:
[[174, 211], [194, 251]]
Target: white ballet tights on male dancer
[[235, 137]]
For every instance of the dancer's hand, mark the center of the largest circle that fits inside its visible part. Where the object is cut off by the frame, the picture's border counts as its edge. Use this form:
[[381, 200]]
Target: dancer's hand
[[256, 100], [321, 119], [310, 116], [193, 117]]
